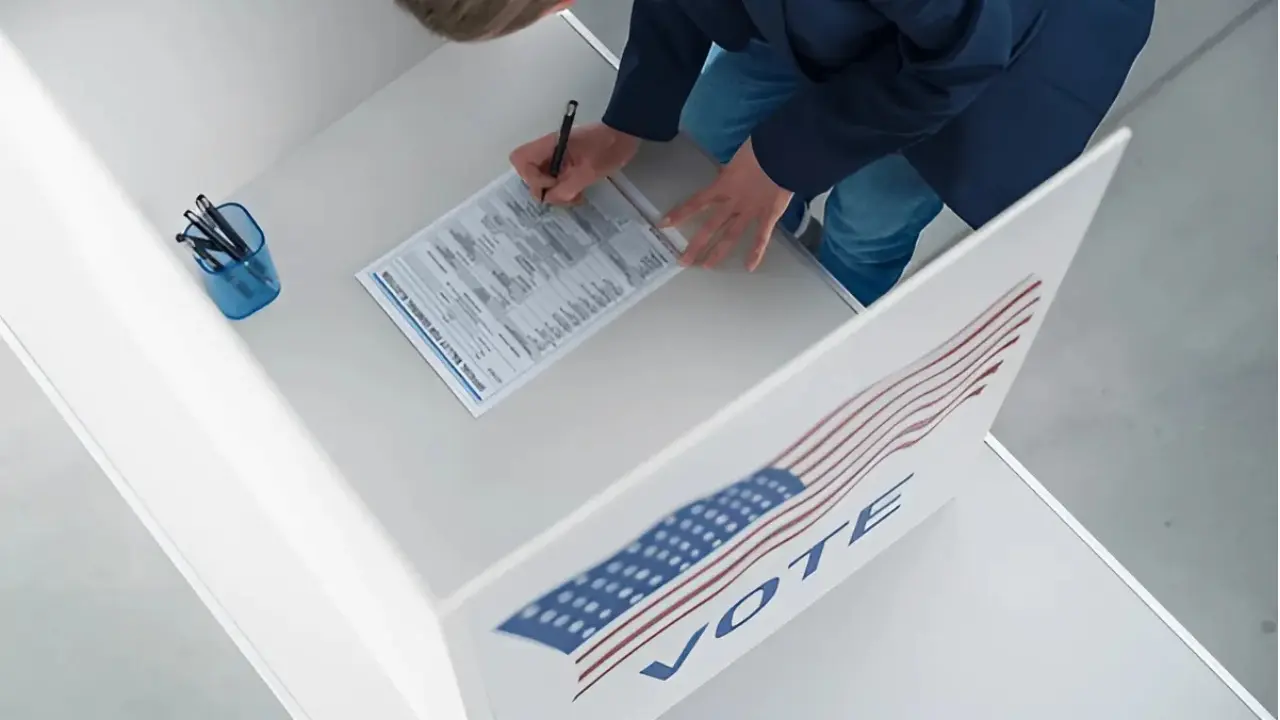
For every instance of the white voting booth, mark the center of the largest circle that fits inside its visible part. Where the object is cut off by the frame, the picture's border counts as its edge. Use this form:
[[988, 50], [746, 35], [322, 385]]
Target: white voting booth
[[603, 543]]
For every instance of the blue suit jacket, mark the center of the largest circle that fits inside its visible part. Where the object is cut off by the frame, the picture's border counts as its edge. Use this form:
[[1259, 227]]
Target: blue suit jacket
[[986, 98]]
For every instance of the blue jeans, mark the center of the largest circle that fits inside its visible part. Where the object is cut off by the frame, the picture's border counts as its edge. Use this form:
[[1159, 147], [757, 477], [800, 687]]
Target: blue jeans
[[873, 218]]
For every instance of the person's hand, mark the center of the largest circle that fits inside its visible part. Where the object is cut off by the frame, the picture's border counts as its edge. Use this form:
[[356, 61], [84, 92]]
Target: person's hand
[[741, 195], [593, 152]]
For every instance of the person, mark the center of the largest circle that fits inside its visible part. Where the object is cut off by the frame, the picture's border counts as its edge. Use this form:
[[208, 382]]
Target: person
[[895, 106]]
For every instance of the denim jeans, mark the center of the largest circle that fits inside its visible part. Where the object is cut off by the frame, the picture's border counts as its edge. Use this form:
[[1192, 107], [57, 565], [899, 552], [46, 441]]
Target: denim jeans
[[873, 217]]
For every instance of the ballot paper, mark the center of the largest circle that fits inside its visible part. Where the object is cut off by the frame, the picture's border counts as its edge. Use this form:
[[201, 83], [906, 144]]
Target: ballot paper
[[502, 286]]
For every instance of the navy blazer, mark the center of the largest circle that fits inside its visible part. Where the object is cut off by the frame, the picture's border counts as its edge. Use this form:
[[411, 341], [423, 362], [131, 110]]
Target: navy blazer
[[986, 98]]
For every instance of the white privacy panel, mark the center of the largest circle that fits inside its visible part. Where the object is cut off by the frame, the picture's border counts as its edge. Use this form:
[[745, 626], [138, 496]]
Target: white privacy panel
[[708, 548], [180, 97], [196, 439]]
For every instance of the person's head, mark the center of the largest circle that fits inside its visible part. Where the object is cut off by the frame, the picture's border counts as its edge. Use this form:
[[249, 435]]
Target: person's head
[[471, 20]]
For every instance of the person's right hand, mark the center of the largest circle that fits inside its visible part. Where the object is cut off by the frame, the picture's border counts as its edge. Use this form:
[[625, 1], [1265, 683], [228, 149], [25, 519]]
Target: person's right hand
[[593, 152]]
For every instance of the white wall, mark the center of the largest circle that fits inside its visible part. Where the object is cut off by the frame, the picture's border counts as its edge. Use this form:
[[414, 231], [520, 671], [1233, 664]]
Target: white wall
[[187, 96]]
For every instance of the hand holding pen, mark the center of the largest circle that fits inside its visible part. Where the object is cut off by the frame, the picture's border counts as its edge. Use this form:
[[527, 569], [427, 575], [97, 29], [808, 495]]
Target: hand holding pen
[[590, 154]]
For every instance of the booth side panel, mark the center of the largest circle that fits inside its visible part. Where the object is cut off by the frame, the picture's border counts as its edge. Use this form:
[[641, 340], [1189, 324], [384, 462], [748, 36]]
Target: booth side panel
[[697, 556], [197, 440]]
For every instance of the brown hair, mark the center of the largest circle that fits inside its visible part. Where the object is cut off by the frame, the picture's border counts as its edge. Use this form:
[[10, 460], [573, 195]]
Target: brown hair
[[469, 20]]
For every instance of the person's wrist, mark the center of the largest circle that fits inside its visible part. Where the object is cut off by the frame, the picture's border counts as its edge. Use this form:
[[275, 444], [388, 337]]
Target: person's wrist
[[618, 137], [621, 139]]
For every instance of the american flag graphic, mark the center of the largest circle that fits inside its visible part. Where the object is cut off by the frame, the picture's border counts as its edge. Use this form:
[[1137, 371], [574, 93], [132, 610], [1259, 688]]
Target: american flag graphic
[[605, 615]]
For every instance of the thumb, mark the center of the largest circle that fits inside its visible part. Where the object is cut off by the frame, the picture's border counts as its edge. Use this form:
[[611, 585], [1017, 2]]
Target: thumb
[[571, 184]]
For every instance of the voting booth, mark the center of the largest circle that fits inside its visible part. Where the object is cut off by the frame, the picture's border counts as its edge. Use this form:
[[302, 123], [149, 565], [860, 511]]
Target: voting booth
[[624, 525]]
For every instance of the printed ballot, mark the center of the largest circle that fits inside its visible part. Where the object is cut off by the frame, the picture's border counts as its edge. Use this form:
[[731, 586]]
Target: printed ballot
[[496, 290]]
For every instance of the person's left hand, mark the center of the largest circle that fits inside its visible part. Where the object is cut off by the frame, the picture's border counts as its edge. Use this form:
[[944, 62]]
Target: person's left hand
[[742, 194]]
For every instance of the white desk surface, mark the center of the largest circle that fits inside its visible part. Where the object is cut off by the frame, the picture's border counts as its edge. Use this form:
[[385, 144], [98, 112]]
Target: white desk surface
[[994, 609], [457, 493]]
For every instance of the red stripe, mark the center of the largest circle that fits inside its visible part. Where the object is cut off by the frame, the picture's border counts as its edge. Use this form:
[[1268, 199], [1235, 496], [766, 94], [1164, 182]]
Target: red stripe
[[903, 446], [1004, 330], [840, 465], [853, 399], [982, 328], [850, 401], [747, 557], [811, 497]]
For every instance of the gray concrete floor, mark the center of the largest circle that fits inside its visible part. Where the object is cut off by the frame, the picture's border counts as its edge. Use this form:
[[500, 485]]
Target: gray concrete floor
[[1147, 407], [94, 621]]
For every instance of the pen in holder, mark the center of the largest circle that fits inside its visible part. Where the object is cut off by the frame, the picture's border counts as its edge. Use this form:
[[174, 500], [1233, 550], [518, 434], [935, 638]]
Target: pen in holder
[[239, 283]]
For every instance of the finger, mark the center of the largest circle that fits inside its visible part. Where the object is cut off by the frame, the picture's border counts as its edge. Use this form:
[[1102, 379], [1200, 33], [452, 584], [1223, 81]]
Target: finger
[[701, 241], [573, 181], [576, 200], [536, 152], [537, 182], [764, 230], [689, 207], [531, 159], [727, 241], [535, 179]]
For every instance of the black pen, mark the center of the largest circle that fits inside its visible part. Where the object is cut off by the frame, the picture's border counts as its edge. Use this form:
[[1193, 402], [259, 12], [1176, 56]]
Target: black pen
[[198, 249], [562, 142], [212, 234], [197, 242], [210, 211], [201, 249]]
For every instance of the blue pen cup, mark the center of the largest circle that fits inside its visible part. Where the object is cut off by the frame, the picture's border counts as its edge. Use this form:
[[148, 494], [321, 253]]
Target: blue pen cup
[[240, 288]]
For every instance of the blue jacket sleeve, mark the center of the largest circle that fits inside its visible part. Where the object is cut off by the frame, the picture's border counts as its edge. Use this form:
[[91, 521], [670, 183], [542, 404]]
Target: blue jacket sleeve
[[947, 52], [664, 55]]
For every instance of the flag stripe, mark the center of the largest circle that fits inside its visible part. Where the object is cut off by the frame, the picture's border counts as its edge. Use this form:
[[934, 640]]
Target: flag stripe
[[821, 507], [1011, 326], [942, 353], [840, 466], [815, 497], [941, 348], [804, 504], [903, 446]]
